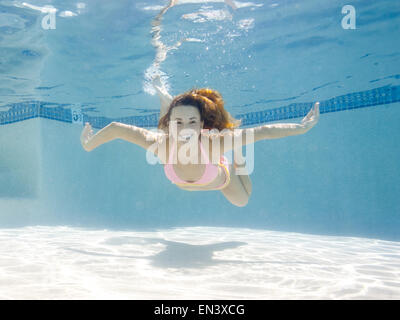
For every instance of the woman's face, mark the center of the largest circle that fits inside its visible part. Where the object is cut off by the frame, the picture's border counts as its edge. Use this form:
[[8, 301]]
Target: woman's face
[[188, 121]]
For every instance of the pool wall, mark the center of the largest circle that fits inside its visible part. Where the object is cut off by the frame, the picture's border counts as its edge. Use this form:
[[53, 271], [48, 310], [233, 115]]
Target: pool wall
[[339, 178]]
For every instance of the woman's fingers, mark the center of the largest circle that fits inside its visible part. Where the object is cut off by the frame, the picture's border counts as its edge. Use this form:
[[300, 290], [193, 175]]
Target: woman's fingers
[[309, 115], [316, 111], [312, 116], [316, 107], [87, 133]]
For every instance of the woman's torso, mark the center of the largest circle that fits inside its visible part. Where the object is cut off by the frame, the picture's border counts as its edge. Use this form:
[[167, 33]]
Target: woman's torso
[[193, 172]]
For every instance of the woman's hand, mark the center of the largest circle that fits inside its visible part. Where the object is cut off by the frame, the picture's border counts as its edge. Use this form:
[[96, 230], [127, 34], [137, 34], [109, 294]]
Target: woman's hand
[[86, 135], [311, 119]]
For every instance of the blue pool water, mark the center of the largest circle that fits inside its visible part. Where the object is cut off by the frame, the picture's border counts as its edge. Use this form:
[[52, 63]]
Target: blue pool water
[[323, 219]]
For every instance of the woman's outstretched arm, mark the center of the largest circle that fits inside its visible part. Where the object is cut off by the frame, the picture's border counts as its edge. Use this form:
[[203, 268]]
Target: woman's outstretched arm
[[116, 130], [281, 130], [270, 131]]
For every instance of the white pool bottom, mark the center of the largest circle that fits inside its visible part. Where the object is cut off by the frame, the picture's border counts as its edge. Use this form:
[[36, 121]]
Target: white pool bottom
[[194, 263]]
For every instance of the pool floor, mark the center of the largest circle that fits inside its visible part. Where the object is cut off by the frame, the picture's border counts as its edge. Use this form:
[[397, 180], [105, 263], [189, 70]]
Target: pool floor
[[62, 262]]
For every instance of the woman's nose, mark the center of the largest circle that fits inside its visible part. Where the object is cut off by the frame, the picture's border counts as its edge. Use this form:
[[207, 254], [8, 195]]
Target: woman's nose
[[188, 126]]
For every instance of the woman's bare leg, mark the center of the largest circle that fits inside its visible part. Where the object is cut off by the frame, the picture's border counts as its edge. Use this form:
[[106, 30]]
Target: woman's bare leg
[[165, 97], [245, 179], [238, 190]]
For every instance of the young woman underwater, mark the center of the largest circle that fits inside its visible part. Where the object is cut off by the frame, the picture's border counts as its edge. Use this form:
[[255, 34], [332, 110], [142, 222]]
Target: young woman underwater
[[185, 118]]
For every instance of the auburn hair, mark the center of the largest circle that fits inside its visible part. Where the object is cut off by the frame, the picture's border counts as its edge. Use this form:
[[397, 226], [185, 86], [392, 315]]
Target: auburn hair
[[210, 105]]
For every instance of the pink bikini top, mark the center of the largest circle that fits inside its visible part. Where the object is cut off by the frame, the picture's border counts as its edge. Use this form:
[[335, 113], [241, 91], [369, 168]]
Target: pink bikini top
[[210, 172]]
